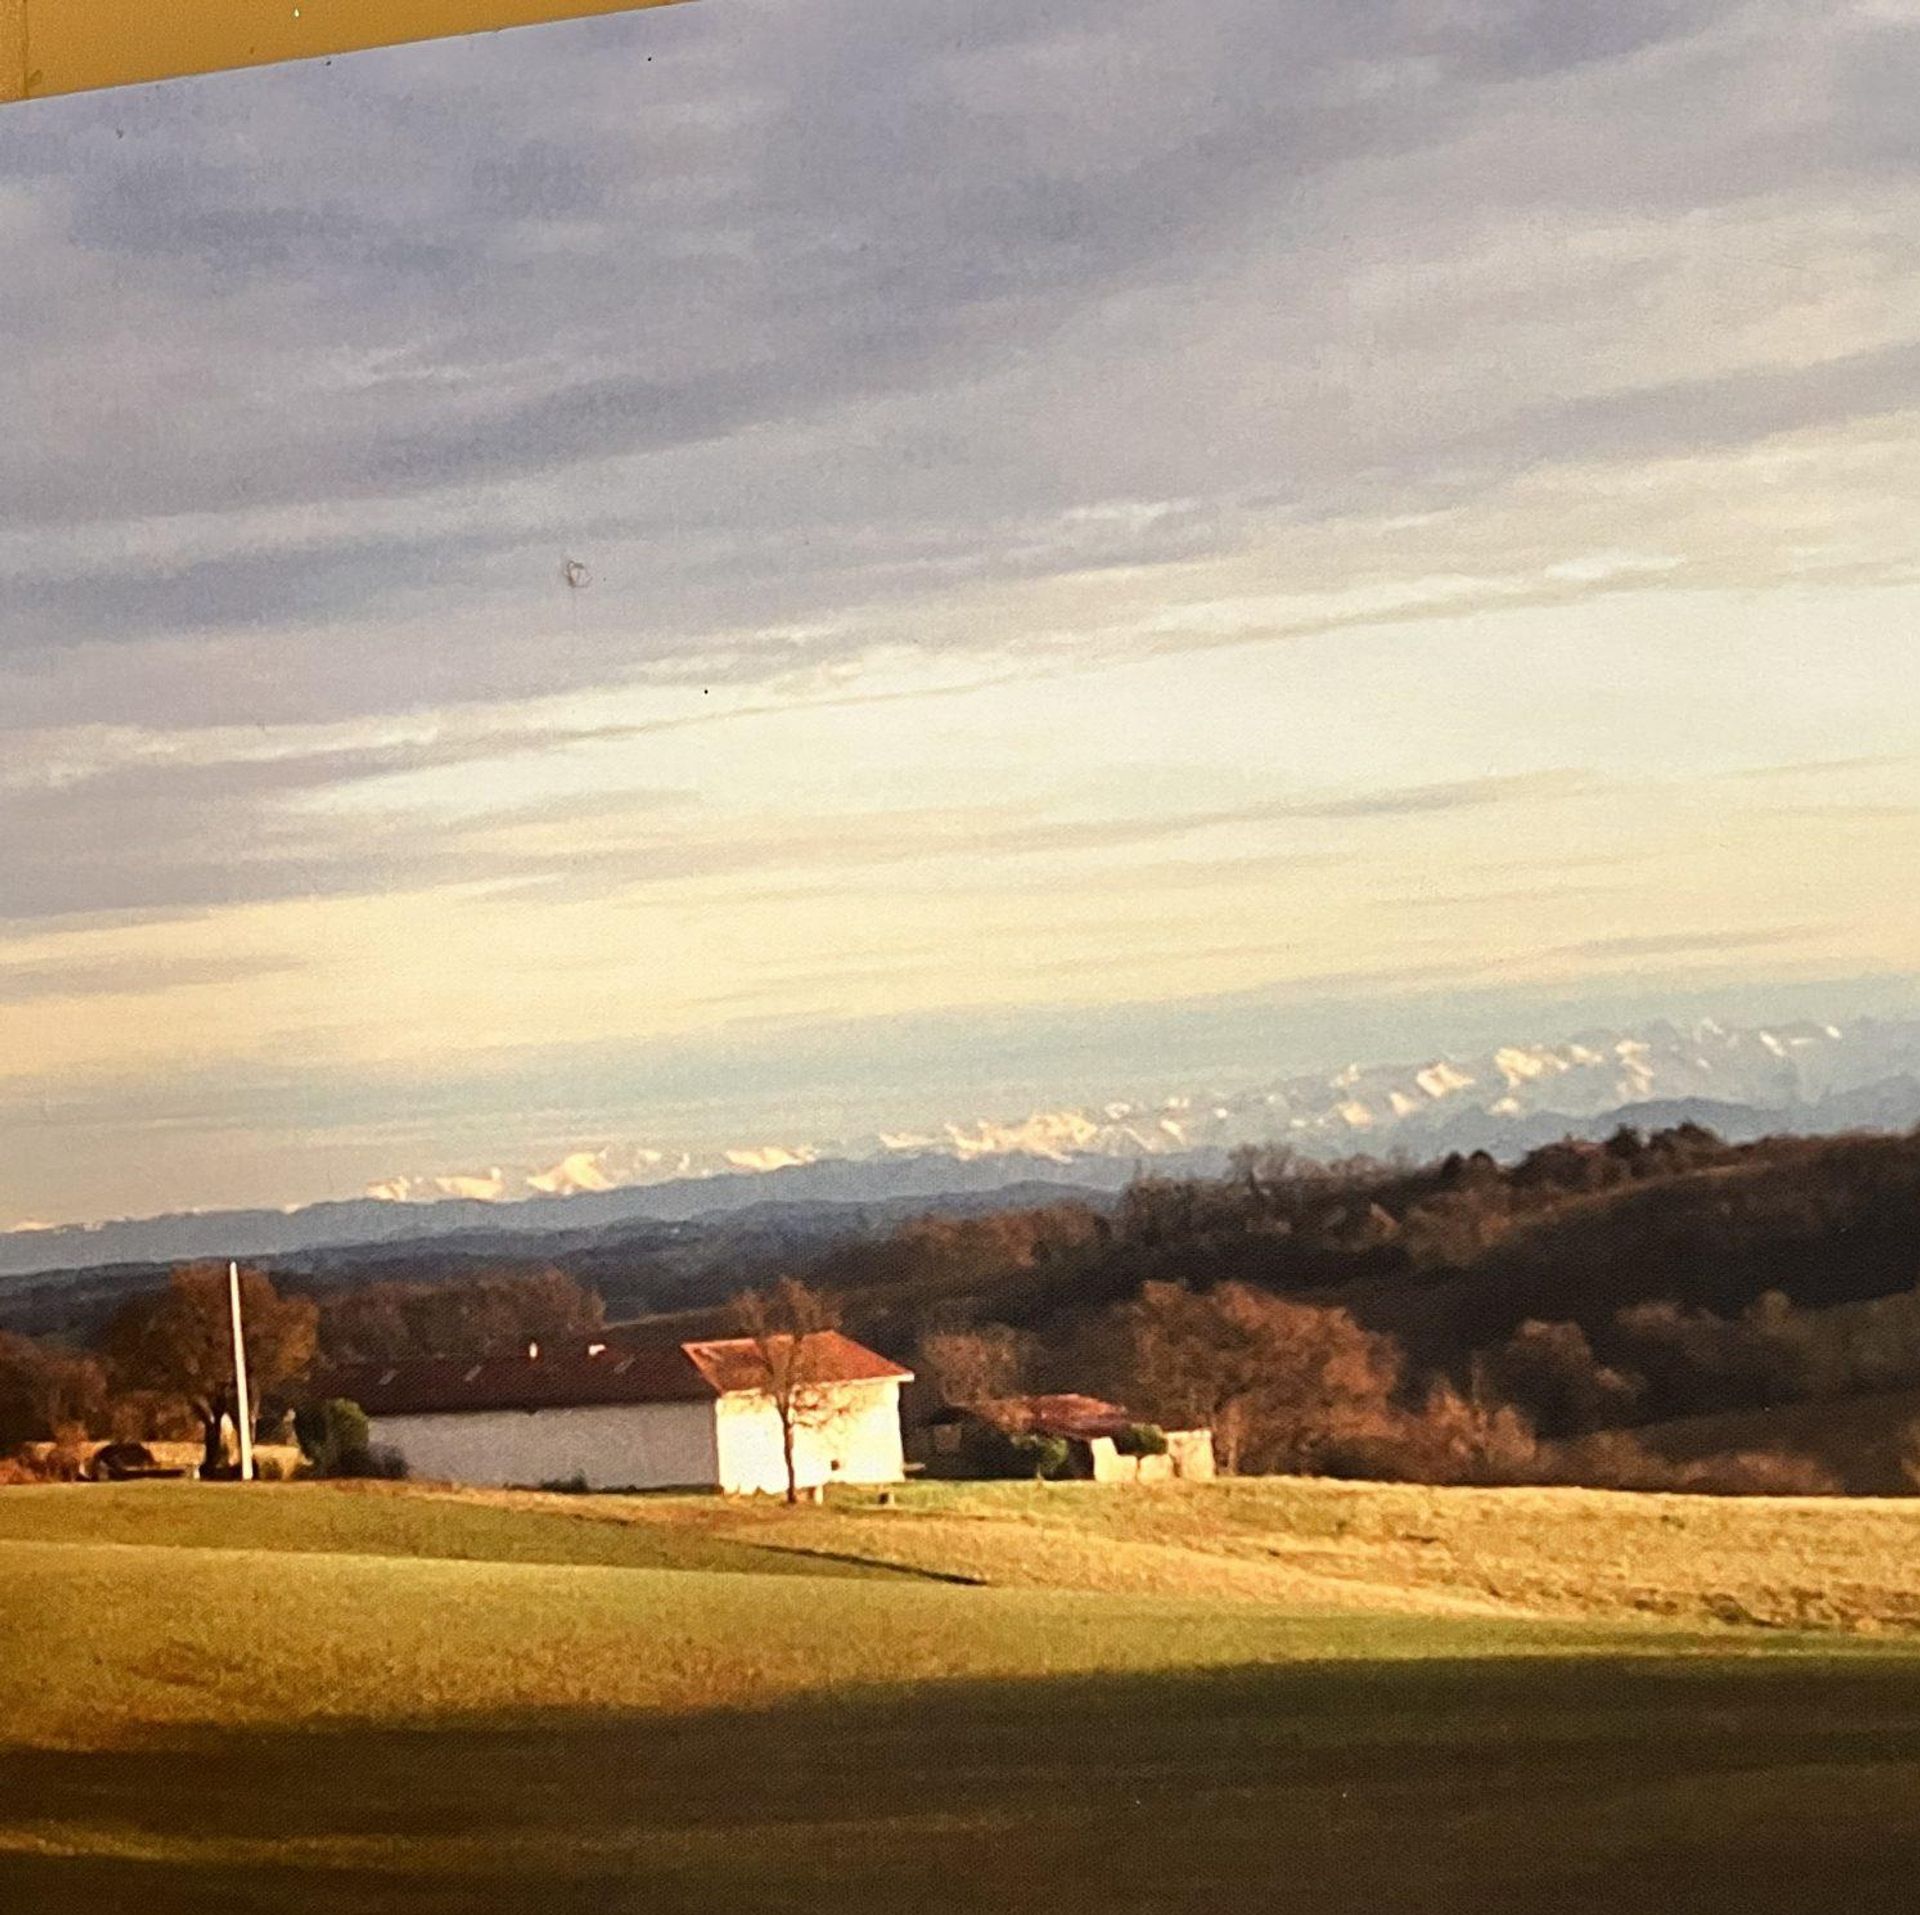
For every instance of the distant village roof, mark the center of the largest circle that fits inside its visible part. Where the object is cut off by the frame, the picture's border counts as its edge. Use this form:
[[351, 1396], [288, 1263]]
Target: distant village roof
[[593, 1375]]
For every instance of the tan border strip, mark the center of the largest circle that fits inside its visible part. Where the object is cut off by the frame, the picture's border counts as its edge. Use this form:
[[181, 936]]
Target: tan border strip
[[80, 45], [13, 50]]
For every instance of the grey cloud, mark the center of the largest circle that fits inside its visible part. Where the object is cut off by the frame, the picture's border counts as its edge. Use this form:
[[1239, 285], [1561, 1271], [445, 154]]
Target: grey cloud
[[159, 838], [819, 280], [156, 836], [251, 589], [1732, 409]]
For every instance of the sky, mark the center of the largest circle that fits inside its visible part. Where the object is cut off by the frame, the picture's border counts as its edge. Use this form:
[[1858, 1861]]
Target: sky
[[748, 571]]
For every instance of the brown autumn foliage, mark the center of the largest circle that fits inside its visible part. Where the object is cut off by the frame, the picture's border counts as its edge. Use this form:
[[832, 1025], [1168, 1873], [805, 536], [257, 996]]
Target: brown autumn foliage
[[1460, 1321], [1281, 1384], [46, 1394], [1289, 1387], [1550, 1371], [967, 1365], [1455, 1439], [469, 1316], [52, 1463], [178, 1344]]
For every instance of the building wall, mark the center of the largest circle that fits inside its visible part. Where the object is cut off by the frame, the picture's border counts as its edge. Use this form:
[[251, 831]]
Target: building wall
[[861, 1443], [1189, 1458], [1191, 1454], [618, 1446]]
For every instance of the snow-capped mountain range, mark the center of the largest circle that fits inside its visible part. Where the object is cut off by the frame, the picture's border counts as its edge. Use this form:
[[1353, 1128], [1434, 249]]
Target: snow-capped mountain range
[[1743, 1081], [1500, 1096]]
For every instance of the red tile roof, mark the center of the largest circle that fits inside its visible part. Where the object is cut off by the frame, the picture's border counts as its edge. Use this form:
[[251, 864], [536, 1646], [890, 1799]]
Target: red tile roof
[[585, 1376], [734, 1364], [1081, 1417]]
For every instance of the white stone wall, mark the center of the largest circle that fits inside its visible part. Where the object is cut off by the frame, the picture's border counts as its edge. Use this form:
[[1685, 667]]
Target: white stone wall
[[1189, 1457], [860, 1444], [616, 1446], [1191, 1454]]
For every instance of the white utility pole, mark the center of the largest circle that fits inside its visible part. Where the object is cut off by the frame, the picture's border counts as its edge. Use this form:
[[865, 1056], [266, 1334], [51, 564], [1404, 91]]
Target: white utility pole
[[243, 1406]]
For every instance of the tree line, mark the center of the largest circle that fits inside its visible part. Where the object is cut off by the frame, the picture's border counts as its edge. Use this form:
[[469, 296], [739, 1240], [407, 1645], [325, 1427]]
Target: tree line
[[161, 1368]]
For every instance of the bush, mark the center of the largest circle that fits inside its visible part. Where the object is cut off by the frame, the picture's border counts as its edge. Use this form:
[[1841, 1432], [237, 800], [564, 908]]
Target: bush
[[1141, 1439], [1455, 1439], [1047, 1454], [43, 1463], [1757, 1473], [337, 1441], [326, 1429], [574, 1485]]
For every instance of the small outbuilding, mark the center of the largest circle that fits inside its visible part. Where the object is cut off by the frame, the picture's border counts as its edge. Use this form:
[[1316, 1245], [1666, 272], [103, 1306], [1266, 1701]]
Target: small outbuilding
[[1105, 1443], [668, 1416]]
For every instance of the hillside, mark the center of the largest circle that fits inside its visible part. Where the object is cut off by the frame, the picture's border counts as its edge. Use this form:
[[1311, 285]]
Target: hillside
[[1587, 1287], [1863, 1441], [635, 1264], [1710, 1275], [1825, 1222]]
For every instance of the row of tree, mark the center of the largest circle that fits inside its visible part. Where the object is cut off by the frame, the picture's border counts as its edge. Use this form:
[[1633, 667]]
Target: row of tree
[[1294, 1386], [162, 1367]]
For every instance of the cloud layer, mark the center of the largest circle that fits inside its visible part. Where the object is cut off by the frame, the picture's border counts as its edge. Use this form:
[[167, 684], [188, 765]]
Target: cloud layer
[[861, 511]]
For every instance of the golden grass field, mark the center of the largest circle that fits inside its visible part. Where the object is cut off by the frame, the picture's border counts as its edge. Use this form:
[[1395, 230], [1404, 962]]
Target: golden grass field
[[1281, 1694], [1363, 1548]]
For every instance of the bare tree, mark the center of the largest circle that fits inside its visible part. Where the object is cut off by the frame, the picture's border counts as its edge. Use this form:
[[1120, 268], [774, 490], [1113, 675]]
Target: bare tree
[[789, 1327], [1278, 1382], [969, 1366]]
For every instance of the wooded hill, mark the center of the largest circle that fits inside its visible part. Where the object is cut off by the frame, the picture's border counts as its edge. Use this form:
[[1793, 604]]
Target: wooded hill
[[1593, 1286]]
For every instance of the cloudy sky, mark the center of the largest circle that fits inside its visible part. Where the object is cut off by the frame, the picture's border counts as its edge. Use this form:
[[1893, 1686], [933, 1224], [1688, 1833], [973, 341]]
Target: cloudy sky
[[744, 571]]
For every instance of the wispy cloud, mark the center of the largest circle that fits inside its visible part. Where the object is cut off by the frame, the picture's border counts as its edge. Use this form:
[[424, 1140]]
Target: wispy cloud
[[127, 977], [1688, 943]]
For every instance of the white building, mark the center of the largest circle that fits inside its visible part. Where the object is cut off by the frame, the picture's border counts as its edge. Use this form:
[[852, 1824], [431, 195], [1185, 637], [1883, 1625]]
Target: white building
[[672, 1416]]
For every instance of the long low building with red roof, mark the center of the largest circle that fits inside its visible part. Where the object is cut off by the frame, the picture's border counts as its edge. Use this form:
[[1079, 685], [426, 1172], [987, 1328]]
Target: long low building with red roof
[[699, 1415]]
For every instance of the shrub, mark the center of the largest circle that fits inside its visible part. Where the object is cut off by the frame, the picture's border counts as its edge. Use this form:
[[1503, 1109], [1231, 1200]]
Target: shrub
[[1455, 1439], [329, 1432], [1757, 1473], [574, 1485], [1617, 1460], [1047, 1454], [1141, 1439], [43, 1463], [1910, 1456], [1450, 1438], [337, 1441]]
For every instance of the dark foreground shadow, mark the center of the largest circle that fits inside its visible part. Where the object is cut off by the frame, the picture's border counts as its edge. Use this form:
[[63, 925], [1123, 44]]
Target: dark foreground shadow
[[1703, 1786]]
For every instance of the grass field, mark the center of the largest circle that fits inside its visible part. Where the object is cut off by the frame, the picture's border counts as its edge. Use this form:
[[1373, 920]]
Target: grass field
[[314, 1698]]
